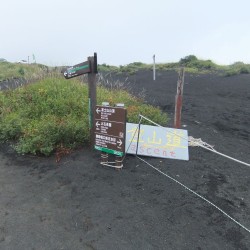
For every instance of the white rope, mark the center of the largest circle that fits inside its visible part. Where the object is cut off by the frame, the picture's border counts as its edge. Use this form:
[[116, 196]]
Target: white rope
[[164, 128], [197, 143], [112, 164], [105, 156], [137, 129], [194, 142], [212, 204], [224, 155]]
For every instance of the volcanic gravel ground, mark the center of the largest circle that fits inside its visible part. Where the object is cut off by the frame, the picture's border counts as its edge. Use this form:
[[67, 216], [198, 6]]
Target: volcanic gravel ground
[[77, 204]]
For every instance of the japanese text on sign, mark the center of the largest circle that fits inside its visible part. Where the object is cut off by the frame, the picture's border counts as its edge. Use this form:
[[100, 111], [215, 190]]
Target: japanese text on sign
[[157, 142], [110, 128]]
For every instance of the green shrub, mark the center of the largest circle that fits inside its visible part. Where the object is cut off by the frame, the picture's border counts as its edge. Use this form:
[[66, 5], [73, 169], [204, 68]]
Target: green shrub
[[132, 68], [188, 60], [10, 127], [30, 71], [107, 68], [52, 114], [231, 72], [244, 70], [21, 71], [49, 132], [237, 68], [193, 62], [167, 66]]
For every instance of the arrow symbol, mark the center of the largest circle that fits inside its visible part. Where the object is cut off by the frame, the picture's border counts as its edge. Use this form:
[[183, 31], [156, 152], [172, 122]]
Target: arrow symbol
[[119, 142], [97, 124], [98, 111]]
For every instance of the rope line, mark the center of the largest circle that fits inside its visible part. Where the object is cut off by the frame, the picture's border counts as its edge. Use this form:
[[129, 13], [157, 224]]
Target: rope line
[[201, 197], [224, 155], [112, 164], [192, 142], [137, 129], [198, 143]]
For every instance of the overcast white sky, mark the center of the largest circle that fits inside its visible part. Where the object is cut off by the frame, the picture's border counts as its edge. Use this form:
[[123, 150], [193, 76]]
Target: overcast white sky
[[60, 32]]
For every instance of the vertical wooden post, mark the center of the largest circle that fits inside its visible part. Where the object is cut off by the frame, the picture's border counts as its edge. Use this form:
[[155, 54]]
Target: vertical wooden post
[[118, 159], [92, 96], [178, 99]]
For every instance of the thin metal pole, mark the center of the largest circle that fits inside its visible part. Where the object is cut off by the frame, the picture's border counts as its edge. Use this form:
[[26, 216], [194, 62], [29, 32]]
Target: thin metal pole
[[154, 67], [178, 99]]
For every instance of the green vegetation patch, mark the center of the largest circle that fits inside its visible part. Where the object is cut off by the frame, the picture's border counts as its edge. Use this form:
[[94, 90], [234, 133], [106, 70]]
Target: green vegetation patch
[[191, 63], [52, 114], [16, 70], [129, 69], [237, 68]]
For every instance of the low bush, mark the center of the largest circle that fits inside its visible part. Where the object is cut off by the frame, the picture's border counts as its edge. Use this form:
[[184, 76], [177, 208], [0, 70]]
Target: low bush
[[52, 114], [107, 68], [192, 61], [16, 70], [237, 68]]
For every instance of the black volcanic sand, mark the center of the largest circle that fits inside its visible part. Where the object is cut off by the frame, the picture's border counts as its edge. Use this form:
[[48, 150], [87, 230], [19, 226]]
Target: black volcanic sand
[[77, 204]]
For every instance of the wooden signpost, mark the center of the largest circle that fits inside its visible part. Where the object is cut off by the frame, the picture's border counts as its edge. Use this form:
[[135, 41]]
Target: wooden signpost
[[108, 124], [110, 129], [89, 67], [77, 70]]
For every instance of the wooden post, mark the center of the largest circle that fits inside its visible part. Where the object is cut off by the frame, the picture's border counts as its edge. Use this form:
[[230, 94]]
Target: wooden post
[[118, 159], [90, 67], [178, 99], [92, 96]]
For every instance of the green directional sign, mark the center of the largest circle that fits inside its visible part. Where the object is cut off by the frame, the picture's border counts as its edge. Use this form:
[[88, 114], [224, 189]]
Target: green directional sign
[[77, 70]]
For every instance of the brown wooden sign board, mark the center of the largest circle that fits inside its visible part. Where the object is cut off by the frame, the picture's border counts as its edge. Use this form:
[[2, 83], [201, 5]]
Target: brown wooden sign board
[[110, 129], [77, 70]]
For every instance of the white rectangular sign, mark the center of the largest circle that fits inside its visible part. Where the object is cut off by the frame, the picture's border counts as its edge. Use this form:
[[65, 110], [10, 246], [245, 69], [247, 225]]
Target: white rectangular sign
[[157, 142]]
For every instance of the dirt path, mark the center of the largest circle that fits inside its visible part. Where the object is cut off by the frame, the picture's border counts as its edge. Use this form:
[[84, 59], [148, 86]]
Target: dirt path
[[77, 204]]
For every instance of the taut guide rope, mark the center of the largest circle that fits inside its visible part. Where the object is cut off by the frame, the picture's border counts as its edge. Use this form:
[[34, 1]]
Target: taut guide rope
[[192, 142], [201, 197], [199, 142]]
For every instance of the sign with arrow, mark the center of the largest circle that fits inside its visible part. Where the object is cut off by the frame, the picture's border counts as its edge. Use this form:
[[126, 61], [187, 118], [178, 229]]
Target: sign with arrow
[[110, 129], [77, 70]]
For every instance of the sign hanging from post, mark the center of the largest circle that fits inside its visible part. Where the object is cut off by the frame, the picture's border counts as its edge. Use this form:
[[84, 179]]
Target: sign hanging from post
[[77, 70], [110, 129], [90, 67]]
